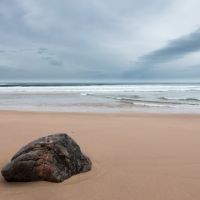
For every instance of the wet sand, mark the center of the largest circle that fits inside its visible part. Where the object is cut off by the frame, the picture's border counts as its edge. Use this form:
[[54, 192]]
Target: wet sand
[[135, 156]]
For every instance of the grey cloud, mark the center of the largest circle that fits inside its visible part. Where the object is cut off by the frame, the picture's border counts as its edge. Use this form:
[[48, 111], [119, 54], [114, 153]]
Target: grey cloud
[[148, 65], [52, 60], [55, 62], [42, 50], [89, 39], [175, 49]]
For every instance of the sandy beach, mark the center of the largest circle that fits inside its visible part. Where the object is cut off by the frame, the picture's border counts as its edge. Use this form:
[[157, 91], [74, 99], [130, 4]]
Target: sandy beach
[[135, 156]]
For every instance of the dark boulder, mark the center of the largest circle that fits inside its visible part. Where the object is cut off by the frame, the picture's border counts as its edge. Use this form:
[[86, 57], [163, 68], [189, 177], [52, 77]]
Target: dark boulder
[[53, 158]]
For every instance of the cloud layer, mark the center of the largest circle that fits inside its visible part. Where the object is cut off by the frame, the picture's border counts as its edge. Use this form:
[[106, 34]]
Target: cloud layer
[[157, 63], [99, 40]]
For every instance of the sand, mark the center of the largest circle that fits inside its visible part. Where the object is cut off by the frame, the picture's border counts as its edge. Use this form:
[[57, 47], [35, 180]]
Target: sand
[[135, 156]]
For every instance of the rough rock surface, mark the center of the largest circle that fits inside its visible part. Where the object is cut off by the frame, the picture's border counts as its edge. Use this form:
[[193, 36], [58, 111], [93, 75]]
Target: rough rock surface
[[53, 158]]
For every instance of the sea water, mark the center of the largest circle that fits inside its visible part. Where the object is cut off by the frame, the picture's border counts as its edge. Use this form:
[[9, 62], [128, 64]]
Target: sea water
[[93, 97]]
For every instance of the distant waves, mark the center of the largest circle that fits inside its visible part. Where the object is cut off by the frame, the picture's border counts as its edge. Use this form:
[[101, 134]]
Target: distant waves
[[101, 98]]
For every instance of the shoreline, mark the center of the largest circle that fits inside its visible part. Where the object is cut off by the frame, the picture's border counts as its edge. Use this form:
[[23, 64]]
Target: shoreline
[[133, 98], [130, 114]]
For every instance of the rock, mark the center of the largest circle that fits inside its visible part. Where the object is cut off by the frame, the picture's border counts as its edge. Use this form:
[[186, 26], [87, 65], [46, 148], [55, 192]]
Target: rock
[[53, 158]]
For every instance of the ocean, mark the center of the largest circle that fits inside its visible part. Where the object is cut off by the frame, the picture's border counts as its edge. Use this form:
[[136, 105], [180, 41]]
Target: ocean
[[104, 97]]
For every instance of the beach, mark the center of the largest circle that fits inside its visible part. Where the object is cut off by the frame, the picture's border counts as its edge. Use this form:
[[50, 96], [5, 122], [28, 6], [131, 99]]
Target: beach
[[135, 156], [99, 100]]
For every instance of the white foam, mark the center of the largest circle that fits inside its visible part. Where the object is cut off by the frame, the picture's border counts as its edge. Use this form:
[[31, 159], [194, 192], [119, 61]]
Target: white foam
[[96, 89]]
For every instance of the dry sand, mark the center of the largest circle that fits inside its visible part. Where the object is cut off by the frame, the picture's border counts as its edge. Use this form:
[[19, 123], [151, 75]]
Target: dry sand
[[140, 156]]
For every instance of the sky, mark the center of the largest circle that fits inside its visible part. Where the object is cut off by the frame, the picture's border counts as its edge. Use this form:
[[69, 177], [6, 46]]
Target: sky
[[87, 40]]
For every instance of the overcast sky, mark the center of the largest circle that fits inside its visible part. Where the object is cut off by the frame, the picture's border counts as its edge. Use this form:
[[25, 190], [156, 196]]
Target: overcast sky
[[99, 40]]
